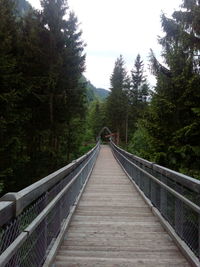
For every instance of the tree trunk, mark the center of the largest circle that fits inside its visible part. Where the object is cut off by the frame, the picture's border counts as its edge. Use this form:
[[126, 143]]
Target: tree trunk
[[51, 108], [126, 129]]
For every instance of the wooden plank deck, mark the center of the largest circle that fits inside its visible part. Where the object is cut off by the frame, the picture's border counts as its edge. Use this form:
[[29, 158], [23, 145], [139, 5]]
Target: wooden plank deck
[[112, 225]]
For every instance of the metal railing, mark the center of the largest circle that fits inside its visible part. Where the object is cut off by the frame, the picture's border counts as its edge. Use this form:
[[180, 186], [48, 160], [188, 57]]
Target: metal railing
[[31, 219], [176, 196]]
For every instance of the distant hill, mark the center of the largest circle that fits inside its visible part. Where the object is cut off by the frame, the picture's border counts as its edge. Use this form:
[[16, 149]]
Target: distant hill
[[23, 7], [94, 93], [101, 93], [90, 91]]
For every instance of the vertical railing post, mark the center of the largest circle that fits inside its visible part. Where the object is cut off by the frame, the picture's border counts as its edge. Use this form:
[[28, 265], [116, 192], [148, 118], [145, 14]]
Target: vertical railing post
[[139, 176], [128, 167], [153, 192], [163, 196], [199, 237], [179, 212], [60, 211], [131, 174], [81, 178], [45, 225], [142, 180]]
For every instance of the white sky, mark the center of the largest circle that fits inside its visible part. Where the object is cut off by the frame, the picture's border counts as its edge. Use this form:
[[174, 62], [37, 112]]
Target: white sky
[[114, 27]]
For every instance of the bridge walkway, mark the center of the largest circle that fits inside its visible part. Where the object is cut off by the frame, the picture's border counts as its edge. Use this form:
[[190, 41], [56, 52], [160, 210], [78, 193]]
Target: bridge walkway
[[113, 226]]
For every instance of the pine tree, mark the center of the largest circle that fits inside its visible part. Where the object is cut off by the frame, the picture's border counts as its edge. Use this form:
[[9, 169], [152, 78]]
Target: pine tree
[[34, 64], [97, 117], [42, 101], [66, 93], [74, 88], [174, 118], [10, 128], [138, 80], [138, 93], [188, 19], [117, 103]]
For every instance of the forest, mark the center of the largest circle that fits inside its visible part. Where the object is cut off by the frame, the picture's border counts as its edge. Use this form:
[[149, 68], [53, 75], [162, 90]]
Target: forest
[[50, 114]]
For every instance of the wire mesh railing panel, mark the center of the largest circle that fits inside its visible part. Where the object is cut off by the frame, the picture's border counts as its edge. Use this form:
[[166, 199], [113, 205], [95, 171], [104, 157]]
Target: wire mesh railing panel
[[190, 232], [176, 202], [9, 233], [31, 252], [170, 209], [147, 186]]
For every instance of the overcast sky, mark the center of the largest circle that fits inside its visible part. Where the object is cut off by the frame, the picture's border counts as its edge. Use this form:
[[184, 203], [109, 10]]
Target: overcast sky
[[114, 27]]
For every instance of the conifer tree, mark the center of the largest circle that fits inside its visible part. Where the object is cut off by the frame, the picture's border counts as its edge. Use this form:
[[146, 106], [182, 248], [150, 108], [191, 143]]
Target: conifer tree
[[174, 120], [97, 117], [10, 95], [139, 88], [138, 93], [138, 79], [42, 101], [117, 103], [66, 93]]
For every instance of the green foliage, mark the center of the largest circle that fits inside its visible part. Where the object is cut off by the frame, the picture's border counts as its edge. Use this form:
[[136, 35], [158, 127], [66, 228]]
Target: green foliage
[[90, 90], [85, 148], [94, 93], [11, 131], [173, 121], [167, 130], [50, 114], [101, 93], [128, 99], [141, 143], [138, 94], [137, 90], [96, 117], [117, 102], [42, 98]]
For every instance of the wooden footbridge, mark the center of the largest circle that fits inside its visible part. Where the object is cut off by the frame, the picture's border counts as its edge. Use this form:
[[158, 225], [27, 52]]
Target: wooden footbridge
[[108, 208]]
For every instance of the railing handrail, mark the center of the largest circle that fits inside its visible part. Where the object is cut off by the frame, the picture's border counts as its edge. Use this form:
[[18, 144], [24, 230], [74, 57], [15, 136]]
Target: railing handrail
[[12, 204], [169, 189], [187, 181]]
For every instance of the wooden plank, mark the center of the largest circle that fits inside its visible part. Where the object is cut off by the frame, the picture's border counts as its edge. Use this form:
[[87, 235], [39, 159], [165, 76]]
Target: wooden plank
[[113, 226]]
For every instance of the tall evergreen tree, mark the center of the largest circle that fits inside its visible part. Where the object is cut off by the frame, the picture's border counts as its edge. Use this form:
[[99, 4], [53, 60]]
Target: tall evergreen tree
[[138, 79], [117, 103], [75, 88], [66, 93], [138, 93], [42, 99], [10, 95], [34, 65], [97, 117], [174, 120]]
